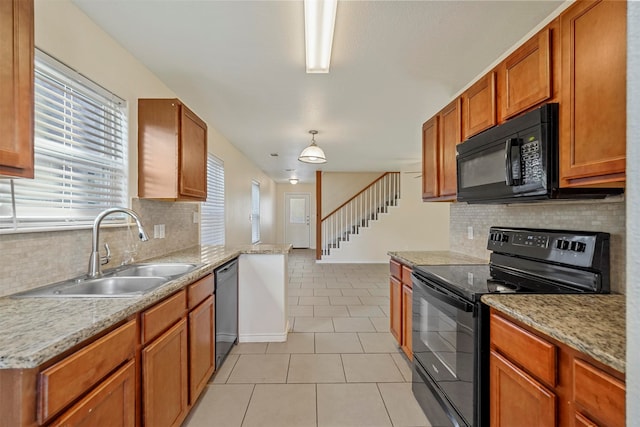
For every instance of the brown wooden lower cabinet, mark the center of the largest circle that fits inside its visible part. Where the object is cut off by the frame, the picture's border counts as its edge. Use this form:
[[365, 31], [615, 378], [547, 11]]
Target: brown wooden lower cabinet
[[148, 371], [164, 378], [400, 295], [407, 321], [517, 398], [395, 317], [110, 404], [202, 353], [536, 380]]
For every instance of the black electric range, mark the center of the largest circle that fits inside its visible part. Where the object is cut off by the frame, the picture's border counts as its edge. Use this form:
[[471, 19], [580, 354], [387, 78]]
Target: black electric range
[[450, 324]]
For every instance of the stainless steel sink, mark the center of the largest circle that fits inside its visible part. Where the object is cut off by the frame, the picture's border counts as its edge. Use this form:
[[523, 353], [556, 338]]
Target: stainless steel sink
[[126, 281], [157, 270]]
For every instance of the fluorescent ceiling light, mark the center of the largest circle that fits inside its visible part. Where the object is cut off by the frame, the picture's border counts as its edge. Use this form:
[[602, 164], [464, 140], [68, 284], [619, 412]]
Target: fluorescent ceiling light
[[319, 22]]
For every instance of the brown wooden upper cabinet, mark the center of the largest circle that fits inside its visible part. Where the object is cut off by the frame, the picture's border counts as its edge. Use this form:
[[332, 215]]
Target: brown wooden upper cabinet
[[172, 151], [525, 76], [593, 106], [479, 106], [440, 135], [16, 88], [430, 158]]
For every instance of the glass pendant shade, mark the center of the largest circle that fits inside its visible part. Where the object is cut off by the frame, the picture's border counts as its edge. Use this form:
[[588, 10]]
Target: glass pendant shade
[[312, 154]]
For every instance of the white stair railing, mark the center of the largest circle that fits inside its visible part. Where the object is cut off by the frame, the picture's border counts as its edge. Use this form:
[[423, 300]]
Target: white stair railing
[[356, 213]]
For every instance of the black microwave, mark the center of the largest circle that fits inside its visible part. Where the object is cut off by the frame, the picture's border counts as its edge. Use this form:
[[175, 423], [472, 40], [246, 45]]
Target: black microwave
[[516, 161]]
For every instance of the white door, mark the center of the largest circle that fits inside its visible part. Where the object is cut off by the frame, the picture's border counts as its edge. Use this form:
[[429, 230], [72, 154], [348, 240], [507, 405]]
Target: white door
[[297, 229]]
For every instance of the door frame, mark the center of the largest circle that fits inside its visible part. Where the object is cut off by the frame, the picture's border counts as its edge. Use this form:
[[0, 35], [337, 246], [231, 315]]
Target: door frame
[[284, 216]]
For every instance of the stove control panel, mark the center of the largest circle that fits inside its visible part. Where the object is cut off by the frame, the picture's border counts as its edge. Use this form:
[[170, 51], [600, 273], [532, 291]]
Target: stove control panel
[[573, 248]]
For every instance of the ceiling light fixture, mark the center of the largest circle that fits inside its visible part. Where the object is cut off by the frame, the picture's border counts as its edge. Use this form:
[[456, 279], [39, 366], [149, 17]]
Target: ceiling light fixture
[[319, 23], [313, 153], [293, 181]]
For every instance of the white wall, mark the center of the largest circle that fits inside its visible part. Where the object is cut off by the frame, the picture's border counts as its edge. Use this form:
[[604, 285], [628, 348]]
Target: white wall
[[338, 187], [412, 225], [282, 191], [239, 171], [65, 32], [633, 209]]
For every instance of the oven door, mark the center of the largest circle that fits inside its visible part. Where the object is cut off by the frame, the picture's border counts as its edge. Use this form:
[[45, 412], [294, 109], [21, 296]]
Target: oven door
[[444, 342]]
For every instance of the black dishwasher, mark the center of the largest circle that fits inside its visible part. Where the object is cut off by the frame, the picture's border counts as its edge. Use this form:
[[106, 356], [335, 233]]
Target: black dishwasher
[[226, 296]]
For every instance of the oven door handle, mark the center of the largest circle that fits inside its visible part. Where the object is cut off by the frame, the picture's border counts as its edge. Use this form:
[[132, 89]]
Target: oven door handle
[[448, 298]]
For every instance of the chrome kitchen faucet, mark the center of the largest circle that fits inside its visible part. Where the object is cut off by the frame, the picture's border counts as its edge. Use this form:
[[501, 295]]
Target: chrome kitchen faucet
[[94, 260]]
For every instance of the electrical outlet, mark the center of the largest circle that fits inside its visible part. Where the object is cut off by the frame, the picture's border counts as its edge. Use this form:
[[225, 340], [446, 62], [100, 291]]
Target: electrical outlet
[[158, 231], [470, 232]]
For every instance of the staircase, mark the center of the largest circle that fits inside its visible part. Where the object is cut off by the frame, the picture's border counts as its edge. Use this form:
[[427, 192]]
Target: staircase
[[346, 221]]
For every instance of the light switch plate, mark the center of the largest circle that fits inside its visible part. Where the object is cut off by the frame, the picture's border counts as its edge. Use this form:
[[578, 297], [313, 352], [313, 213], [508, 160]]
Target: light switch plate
[[196, 217], [158, 231], [470, 232]]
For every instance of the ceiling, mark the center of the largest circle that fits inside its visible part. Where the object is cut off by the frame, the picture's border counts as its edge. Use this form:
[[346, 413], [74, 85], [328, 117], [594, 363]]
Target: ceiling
[[241, 65]]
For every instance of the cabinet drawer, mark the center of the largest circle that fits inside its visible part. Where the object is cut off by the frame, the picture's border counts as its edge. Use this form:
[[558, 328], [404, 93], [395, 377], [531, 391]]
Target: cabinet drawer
[[163, 315], [395, 268], [63, 382], [529, 351], [111, 403], [406, 276], [200, 290], [601, 395]]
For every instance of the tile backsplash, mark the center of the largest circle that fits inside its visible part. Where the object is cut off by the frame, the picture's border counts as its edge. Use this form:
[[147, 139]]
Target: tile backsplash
[[607, 216], [30, 260]]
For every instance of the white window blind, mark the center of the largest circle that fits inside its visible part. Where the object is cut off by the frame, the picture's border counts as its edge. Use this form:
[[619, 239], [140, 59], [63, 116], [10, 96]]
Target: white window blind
[[255, 212], [80, 152], [212, 221]]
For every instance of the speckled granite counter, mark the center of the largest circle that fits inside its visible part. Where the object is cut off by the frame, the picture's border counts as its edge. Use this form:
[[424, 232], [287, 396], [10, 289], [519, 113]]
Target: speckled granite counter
[[413, 258], [592, 324], [33, 330]]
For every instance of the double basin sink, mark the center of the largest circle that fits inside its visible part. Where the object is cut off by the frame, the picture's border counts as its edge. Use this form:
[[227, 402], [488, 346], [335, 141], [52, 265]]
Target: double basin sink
[[125, 281]]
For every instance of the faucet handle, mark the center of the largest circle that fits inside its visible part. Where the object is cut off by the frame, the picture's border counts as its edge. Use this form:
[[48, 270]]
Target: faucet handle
[[105, 259]]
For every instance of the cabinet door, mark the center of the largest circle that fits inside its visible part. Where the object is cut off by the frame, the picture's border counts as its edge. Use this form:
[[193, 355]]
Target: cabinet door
[[202, 353], [395, 288], [430, 135], [479, 106], [518, 399], [450, 125], [111, 404], [525, 76], [16, 88], [407, 321], [193, 156], [164, 378], [593, 108]]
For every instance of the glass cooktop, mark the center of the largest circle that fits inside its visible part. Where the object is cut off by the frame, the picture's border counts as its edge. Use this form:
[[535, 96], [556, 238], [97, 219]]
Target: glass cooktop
[[467, 280]]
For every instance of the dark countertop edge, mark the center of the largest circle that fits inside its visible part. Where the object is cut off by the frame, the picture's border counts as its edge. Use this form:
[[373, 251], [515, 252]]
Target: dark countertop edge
[[597, 353], [53, 349]]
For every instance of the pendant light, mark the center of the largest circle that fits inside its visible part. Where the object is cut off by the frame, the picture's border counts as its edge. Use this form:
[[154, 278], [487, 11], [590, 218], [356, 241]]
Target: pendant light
[[313, 153]]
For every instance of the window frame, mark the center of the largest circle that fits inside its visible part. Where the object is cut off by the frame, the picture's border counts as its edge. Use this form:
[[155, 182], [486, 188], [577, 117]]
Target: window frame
[[81, 155]]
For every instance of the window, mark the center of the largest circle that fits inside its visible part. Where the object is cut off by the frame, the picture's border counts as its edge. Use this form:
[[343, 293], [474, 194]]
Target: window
[[212, 221], [255, 212], [80, 152]]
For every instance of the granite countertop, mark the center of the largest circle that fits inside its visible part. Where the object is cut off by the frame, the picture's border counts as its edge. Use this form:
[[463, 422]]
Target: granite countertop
[[33, 330], [591, 324], [413, 258]]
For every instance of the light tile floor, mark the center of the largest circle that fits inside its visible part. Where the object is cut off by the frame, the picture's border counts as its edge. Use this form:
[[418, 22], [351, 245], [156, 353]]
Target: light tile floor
[[339, 367]]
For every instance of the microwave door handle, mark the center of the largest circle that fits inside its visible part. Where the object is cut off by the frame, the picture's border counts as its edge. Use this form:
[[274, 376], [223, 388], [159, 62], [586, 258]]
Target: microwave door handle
[[512, 177]]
